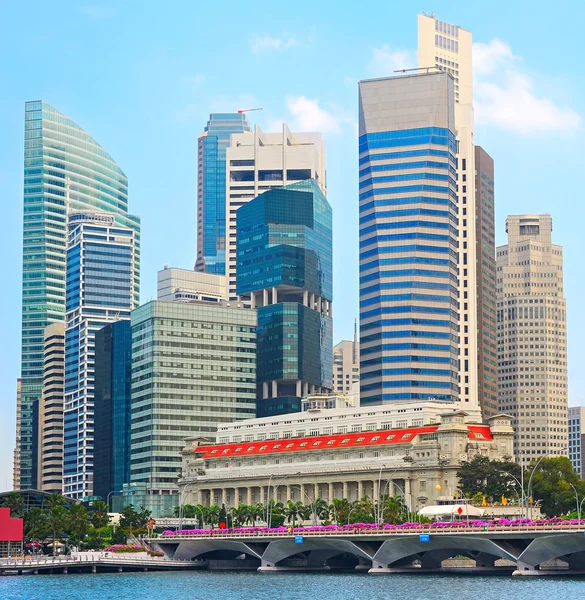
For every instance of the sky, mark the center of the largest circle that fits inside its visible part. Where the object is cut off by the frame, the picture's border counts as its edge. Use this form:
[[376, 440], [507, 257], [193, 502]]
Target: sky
[[141, 77]]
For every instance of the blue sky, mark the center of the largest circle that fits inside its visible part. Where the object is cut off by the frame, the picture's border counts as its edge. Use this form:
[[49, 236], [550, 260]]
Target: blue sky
[[142, 78]]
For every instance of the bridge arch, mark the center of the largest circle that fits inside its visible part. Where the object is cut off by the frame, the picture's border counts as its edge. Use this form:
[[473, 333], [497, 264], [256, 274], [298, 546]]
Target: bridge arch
[[191, 549], [569, 547]]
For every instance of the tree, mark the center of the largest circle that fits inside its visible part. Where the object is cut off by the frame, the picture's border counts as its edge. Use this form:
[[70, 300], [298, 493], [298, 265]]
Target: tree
[[391, 509], [78, 522], [340, 509], [15, 503], [99, 516], [57, 518], [305, 512], [240, 515], [551, 486], [491, 478], [321, 509], [130, 518], [291, 511], [55, 500], [213, 515], [36, 524]]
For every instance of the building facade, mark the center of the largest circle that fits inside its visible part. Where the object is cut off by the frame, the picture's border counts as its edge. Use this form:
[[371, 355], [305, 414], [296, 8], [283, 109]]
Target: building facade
[[285, 250], [101, 263], [346, 365], [449, 48], [211, 189], [50, 426], [63, 166], [532, 337], [194, 368], [112, 408], [182, 285], [577, 439], [264, 161], [336, 454], [485, 237], [409, 296], [16, 452]]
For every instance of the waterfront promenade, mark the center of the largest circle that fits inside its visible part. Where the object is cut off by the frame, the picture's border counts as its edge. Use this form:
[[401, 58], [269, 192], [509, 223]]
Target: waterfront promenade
[[525, 549]]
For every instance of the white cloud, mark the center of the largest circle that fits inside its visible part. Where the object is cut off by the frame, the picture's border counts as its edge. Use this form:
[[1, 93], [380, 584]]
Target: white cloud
[[386, 60], [267, 43], [504, 95], [310, 116]]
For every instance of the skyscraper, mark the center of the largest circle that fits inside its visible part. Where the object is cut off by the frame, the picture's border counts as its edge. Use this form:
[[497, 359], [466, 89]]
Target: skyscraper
[[409, 313], [263, 162], [211, 189], [63, 165], [449, 48], [532, 337], [487, 337], [284, 248], [50, 426], [112, 408], [577, 439], [194, 367], [346, 365], [101, 262]]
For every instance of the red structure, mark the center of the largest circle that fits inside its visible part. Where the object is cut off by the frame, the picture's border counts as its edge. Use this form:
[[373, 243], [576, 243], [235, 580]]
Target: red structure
[[11, 530]]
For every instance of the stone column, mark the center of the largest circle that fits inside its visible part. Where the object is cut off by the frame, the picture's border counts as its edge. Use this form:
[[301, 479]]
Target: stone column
[[249, 496], [288, 493], [345, 490], [274, 295], [199, 496], [253, 300], [224, 495], [274, 389], [303, 494], [360, 490], [330, 498], [261, 494], [264, 297], [375, 491], [408, 494]]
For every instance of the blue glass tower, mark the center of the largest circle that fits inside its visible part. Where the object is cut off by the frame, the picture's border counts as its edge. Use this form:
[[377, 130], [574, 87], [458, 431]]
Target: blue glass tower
[[112, 407], [284, 262], [100, 266], [63, 165], [211, 189], [409, 308]]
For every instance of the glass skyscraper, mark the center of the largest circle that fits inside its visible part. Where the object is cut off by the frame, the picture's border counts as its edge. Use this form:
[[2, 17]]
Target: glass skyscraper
[[63, 165], [211, 189], [409, 307], [284, 247], [100, 289], [112, 404]]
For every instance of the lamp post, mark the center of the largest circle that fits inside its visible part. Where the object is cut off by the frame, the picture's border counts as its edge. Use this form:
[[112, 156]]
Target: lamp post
[[311, 502], [276, 492], [521, 487], [530, 480], [577, 501], [108, 497], [181, 497], [349, 513], [581, 505]]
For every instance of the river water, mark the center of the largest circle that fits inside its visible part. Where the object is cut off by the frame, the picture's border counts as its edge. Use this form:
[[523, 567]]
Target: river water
[[205, 585]]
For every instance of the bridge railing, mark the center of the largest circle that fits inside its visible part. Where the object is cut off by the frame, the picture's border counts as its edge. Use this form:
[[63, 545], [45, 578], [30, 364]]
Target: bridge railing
[[360, 532]]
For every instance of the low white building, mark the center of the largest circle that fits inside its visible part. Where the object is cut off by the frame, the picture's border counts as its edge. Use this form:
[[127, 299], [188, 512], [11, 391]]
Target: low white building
[[412, 449], [183, 285]]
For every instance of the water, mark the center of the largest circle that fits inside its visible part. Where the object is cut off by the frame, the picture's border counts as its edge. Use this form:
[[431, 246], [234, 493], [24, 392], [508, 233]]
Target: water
[[204, 585]]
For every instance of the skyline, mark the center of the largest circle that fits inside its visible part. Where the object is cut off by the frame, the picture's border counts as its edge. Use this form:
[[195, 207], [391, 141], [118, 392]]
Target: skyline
[[148, 98]]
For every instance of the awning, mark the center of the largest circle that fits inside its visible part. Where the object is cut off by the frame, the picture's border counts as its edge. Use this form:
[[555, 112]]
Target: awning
[[451, 510]]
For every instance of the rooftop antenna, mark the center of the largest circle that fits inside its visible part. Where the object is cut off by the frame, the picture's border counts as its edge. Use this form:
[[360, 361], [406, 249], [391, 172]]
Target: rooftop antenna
[[246, 110], [354, 348]]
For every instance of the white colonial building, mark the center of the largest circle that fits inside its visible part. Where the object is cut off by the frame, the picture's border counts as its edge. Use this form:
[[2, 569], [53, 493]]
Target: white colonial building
[[410, 449]]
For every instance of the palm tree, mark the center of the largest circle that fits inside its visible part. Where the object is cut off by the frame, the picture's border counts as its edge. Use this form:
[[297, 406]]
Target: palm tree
[[213, 515], [15, 503], [78, 521], [240, 515], [57, 521], [321, 509], [305, 512], [55, 500], [340, 508], [257, 511], [99, 516], [36, 525], [291, 511]]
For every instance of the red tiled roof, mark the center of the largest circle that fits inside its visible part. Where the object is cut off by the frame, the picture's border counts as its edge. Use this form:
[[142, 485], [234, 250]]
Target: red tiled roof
[[330, 442]]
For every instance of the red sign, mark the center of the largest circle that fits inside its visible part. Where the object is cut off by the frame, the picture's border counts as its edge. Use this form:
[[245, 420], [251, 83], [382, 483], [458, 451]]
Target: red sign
[[11, 530], [459, 510], [222, 525]]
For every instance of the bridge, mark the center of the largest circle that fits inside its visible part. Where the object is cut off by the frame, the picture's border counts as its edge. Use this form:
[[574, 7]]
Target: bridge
[[526, 550], [92, 563]]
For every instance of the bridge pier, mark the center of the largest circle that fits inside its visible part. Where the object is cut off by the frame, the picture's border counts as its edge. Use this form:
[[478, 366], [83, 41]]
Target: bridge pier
[[94, 568], [120, 570], [65, 571], [523, 569]]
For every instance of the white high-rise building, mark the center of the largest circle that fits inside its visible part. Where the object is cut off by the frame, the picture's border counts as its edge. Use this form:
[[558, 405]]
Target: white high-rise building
[[532, 337], [184, 285], [449, 48], [257, 163], [346, 365], [577, 439]]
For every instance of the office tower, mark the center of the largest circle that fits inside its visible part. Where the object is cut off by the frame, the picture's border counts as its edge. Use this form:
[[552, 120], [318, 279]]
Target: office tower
[[63, 166], [487, 337], [211, 189], [202, 373], [577, 439], [112, 406], [101, 263], [50, 426], [346, 365], [449, 48], [16, 452], [182, 285], [409, 316], [284, 247], [263, 161], [532, 337]]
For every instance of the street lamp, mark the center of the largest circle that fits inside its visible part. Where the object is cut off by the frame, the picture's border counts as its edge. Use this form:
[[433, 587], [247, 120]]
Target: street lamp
[[312, 502], [109, 494], [577, 501], [521, 488]]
